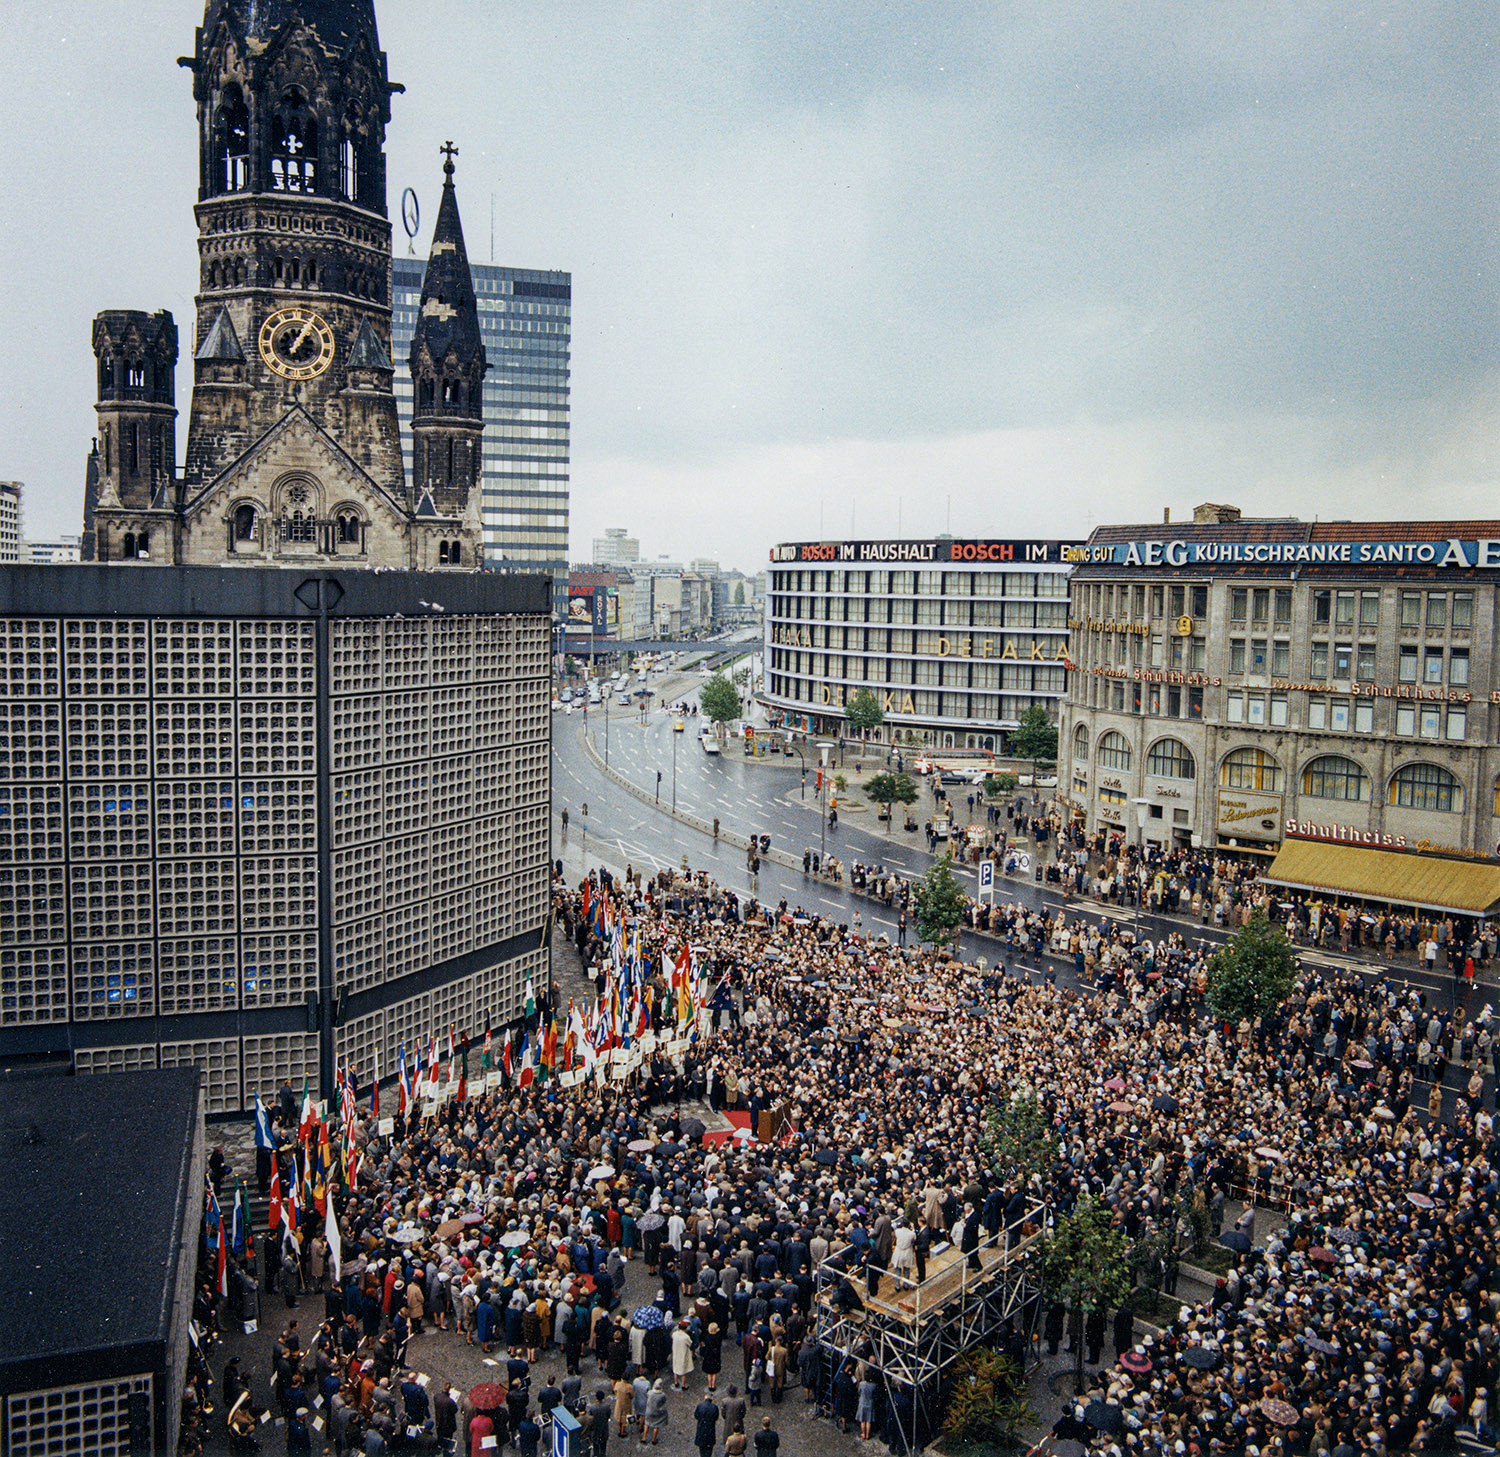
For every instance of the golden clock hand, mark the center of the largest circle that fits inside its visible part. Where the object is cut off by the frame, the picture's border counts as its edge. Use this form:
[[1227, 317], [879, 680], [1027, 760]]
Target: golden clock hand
[[302, 337]]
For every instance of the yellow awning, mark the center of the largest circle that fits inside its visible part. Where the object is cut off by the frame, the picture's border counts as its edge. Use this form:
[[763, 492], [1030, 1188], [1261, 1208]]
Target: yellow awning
[[1391, 877]]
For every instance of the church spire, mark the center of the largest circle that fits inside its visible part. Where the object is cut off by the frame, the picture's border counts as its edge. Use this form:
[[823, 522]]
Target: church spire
[[448, 317], [448, 365]]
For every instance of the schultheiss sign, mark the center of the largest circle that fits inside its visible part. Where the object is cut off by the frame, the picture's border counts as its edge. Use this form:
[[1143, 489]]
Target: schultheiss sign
[[1483, 552]]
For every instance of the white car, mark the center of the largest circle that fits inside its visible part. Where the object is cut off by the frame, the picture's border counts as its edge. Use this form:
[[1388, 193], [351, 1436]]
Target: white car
[[710, 741]]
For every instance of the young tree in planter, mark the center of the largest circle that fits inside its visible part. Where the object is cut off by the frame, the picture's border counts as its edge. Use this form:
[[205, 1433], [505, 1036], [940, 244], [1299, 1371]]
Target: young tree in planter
[[721, 702], [863, 712], [1020, 1138], [1253, 973], [1086, 1264], [940, 903], [987, 1401], [889, 789], [1035, 739]]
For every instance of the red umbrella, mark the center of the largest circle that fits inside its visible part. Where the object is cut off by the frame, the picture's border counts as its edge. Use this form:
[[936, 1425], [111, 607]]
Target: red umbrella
[[1135, 1363], [1115, 1085], [1320, 1256], [1121, 1107], [487, 1396]]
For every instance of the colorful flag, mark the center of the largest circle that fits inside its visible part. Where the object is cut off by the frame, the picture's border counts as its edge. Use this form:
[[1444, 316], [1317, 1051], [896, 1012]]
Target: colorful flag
[[309, 1115], [375, 1085], [223, 1262], [262, 1125], [274, 1213], [335, 1245], [486, 1060], [505, 1055], [400, 1077], [463, 1072], [241, 1220], [528, 1062], [530, 1008]]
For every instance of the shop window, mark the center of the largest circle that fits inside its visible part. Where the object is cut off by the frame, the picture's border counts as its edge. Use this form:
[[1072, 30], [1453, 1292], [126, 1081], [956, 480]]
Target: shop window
[[1333, 777], [1426, 786]]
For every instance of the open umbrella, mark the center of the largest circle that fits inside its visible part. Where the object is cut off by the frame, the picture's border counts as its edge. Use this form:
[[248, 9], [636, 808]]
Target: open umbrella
[[487, 1396], [1164, 1103], [651, 1219], [693, 1128], [1317, 1343], [1418, 1201], [408, 1235], [1283, 1413], [646, 1317], [667, 1148], [1321, 1256], [600, 1171], [1135, 1363], [448, 1228], [1104, 1416], [1235, 1239], [908, 1030], [1199, 1358], [1115, 1085], [826, 1156], [640, 1145], [1120, 1106], [514, 1239]]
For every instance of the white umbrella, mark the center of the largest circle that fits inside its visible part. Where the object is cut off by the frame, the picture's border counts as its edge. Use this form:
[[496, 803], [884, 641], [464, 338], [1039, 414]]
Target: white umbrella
[[602, 1171], [515, 1239], [409, 1235]]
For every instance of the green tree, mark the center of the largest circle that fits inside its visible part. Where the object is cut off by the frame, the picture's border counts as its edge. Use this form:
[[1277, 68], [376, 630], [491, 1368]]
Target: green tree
[[863, 711], [720, 701], [1253, 973], [1086, 1264], [998, 784], [1035, 739], [987, 1400], [1020, 1138], [741, 679], [889, 789], [940, 902], [739, 594]]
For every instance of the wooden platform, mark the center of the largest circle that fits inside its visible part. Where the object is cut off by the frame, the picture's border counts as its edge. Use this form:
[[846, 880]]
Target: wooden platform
[[895, 1300]]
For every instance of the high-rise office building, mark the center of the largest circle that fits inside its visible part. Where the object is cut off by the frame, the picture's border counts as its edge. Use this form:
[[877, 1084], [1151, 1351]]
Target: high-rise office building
[[10, 521], [525, 322]]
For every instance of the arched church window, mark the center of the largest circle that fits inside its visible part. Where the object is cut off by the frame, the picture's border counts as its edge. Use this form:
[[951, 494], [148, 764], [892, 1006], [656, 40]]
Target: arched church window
[[130, 546], [244, 522], [425, 394], [106, 375], [301, 526], [348, 166], [294, 145], [348, 528], [234, 141], [135, 374]]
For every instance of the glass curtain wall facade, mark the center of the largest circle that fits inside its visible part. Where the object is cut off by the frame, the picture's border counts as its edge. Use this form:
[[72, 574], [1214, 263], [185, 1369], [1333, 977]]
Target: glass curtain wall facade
[[954, 638], [525, 320]]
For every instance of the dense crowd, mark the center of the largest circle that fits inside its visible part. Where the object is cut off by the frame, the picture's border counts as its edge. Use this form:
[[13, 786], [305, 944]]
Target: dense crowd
[[1366, 1324]]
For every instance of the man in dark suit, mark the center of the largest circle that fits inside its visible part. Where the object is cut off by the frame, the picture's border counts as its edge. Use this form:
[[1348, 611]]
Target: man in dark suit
[[970, 1244]]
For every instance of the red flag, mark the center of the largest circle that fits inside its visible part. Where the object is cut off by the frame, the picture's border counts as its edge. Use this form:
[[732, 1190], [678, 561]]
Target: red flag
[[506, 1056], [375, 1086], [274, 1214]]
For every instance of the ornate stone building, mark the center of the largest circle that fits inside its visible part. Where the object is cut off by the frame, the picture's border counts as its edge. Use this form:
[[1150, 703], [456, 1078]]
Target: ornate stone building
[[293, 450]]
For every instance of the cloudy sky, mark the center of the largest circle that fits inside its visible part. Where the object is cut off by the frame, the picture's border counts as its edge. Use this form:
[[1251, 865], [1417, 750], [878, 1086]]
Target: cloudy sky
[[998, 268]]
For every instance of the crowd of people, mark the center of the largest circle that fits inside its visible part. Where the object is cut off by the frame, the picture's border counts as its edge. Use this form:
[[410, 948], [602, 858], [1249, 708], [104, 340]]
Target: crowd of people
[[1366, 1322]]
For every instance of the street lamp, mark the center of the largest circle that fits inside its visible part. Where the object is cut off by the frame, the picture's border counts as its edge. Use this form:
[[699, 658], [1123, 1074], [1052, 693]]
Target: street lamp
[[606, 733], [674, 769], [798, 752], [1142, 811], [585, 846], [823, 751]]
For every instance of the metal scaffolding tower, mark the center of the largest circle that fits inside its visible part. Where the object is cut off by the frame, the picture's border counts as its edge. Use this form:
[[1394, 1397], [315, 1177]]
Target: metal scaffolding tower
[[911, 1333]]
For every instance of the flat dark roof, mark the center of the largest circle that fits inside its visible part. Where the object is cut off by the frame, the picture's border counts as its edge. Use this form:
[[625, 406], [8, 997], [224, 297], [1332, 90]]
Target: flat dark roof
[[141, 590], [93, 1203]]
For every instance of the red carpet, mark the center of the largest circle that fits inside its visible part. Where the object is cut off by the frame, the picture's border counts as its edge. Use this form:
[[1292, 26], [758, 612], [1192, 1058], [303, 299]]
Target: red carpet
[[722, 1135]]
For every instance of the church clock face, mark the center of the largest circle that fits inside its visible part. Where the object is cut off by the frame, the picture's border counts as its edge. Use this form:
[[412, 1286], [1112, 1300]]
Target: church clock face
[[296, 343]]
